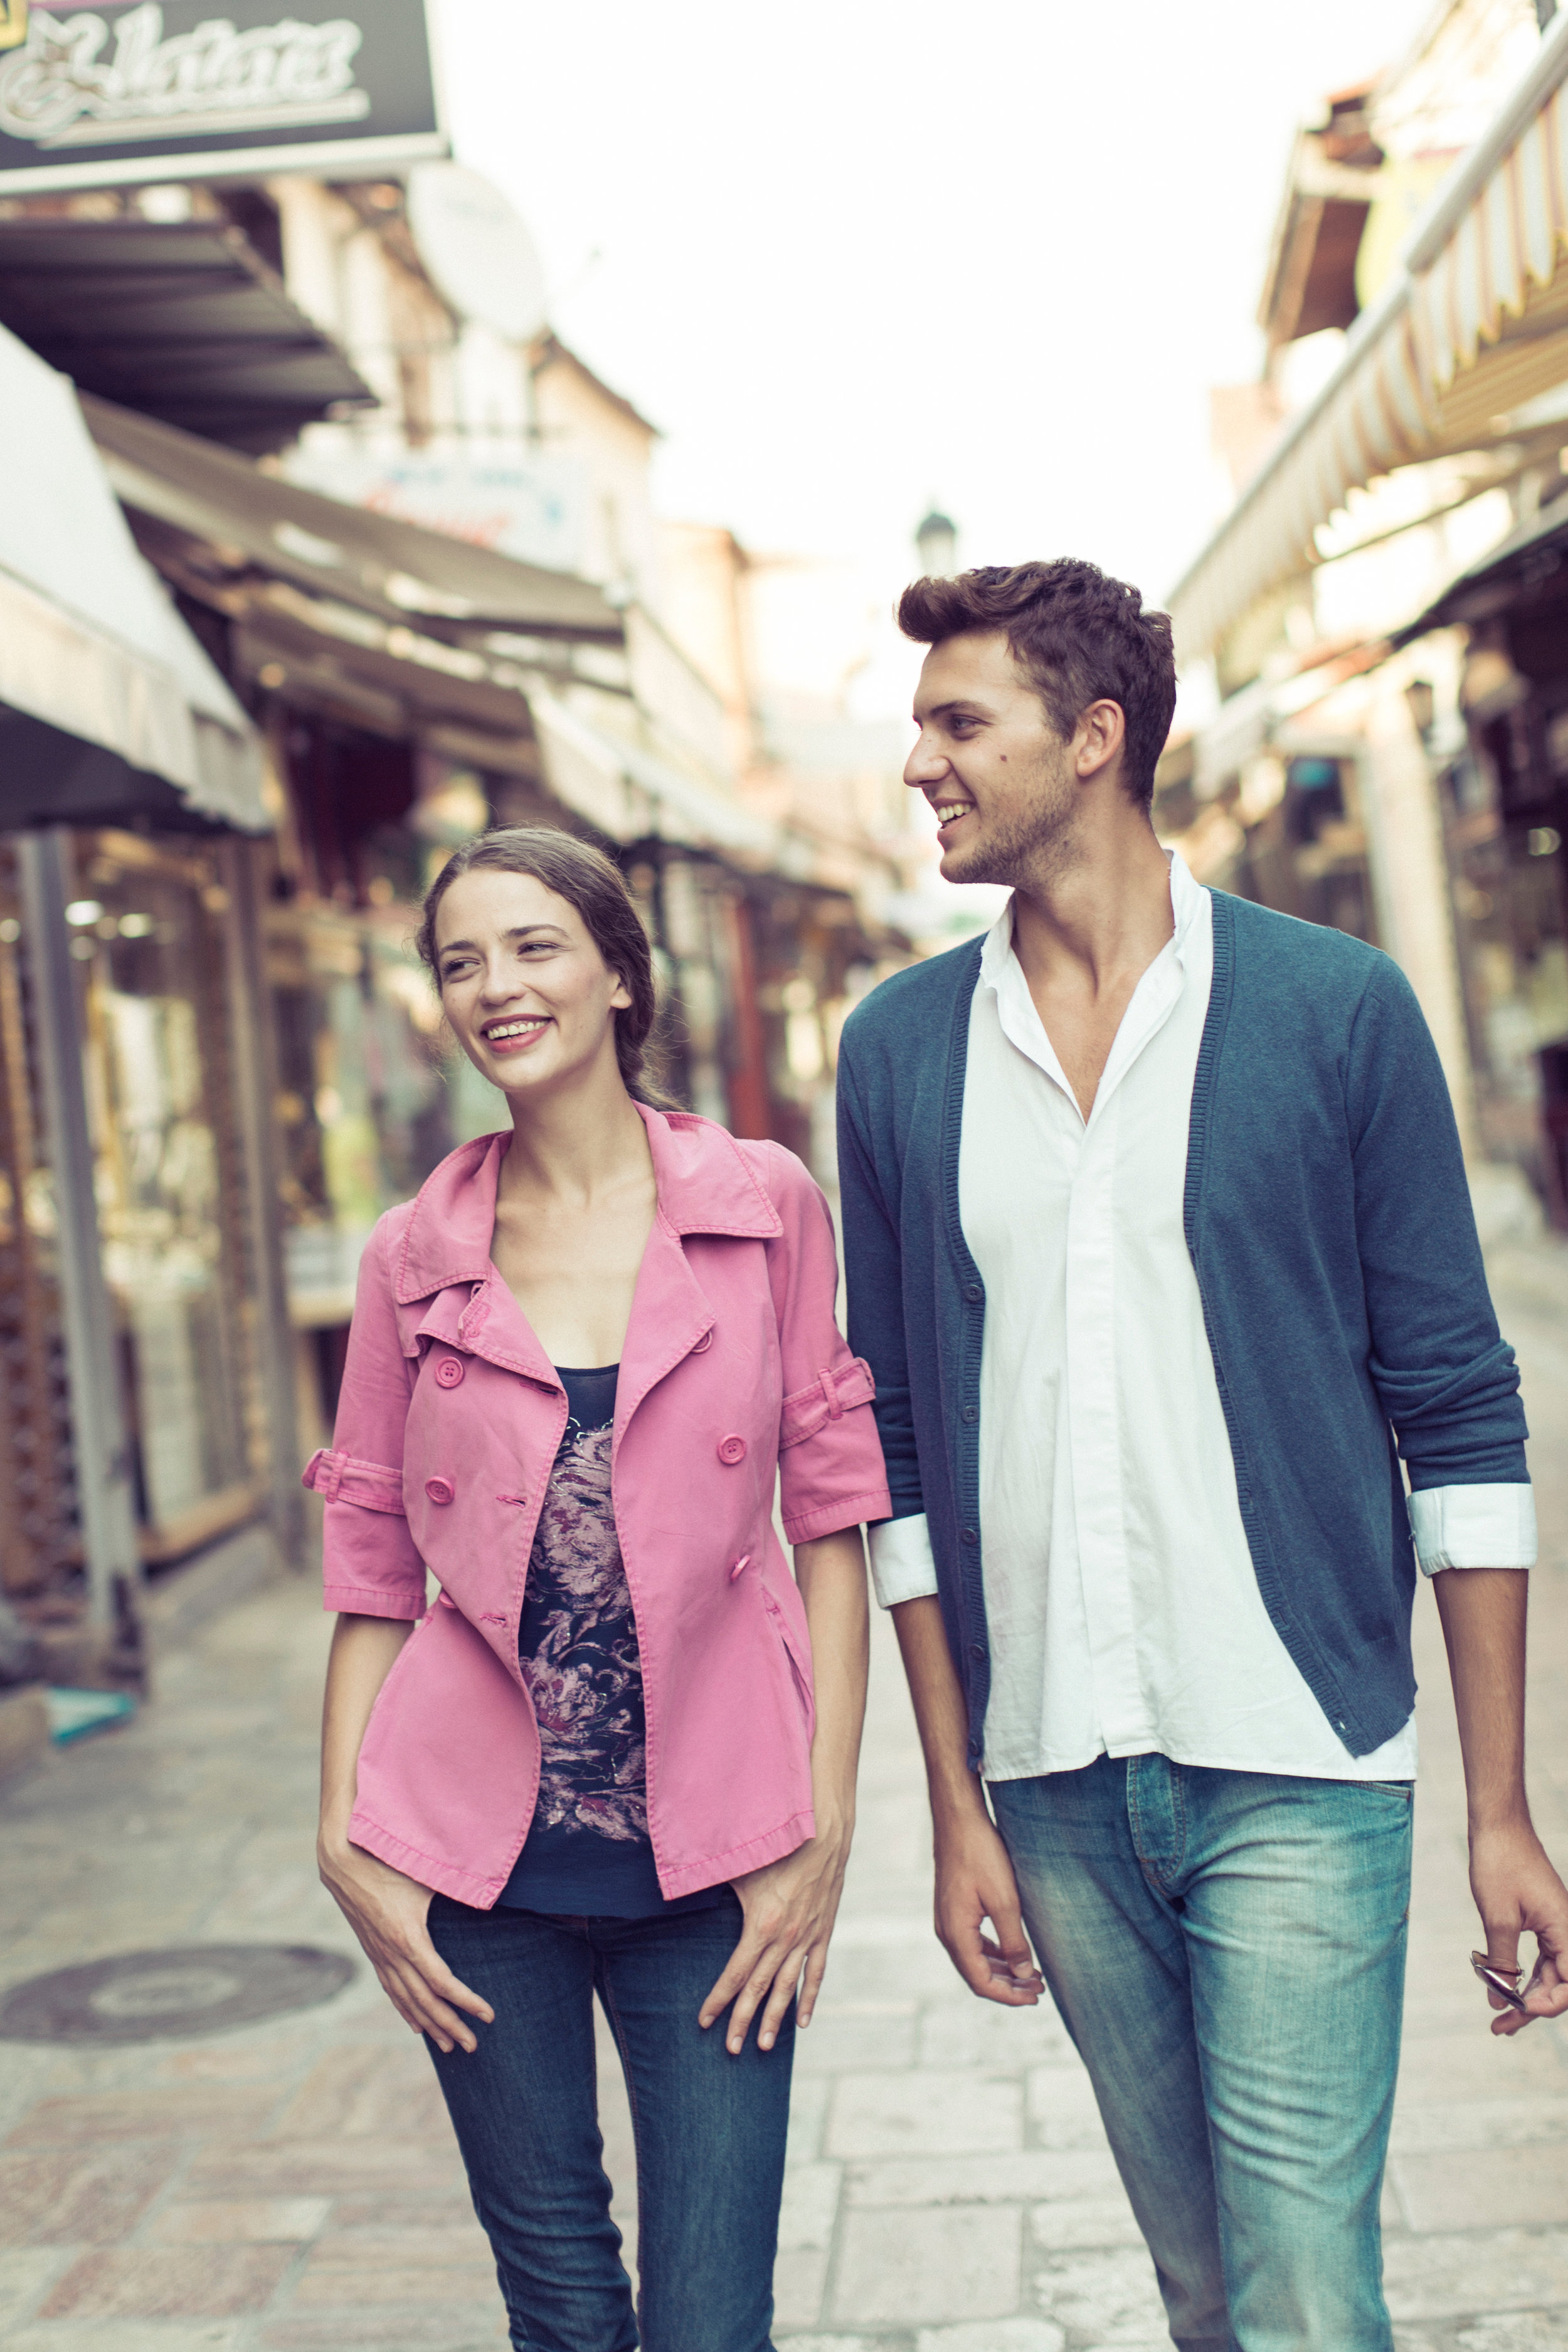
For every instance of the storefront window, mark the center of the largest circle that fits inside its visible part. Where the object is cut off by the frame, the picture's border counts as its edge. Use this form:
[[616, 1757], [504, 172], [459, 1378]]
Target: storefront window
[[147, 938]]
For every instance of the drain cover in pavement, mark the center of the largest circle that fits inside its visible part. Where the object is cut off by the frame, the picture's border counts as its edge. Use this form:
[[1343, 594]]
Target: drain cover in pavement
[[163, 1996]]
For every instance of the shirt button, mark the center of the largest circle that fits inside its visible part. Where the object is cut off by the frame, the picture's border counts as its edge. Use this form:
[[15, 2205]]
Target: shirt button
[[974, 1293], [972, 1412], [732, 1450], [440, 1490], [971, 1535], [699, 1347], [449, 1372]]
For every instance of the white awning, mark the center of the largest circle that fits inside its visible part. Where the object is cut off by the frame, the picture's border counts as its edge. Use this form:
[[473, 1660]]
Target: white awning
[[89, 641], [629, 794], [1473, 326]]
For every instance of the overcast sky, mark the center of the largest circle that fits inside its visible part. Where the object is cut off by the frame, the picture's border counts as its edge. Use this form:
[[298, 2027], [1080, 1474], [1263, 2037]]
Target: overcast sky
[[856, 254]]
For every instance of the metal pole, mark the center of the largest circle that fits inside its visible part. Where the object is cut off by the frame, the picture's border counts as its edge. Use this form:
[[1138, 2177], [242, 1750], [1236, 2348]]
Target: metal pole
[[250, 1046], [97, 1421]]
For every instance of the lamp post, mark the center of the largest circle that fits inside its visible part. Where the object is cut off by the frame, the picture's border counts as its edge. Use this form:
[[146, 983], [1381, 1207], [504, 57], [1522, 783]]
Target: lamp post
[[936, 540]]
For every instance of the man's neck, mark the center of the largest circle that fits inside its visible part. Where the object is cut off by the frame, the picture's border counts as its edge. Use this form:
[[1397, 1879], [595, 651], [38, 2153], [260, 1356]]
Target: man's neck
[[1086, 933], [1103, 914]]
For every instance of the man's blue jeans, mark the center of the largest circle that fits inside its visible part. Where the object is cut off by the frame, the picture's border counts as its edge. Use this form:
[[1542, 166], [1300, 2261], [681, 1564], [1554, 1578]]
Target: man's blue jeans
[[1227, 1951], [710, 2129]]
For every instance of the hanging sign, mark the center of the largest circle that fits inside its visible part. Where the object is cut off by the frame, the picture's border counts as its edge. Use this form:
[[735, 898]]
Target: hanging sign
[[139, 90]]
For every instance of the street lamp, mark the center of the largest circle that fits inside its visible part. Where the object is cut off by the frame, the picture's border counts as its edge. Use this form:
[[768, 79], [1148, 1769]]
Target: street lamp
[[936, 540]]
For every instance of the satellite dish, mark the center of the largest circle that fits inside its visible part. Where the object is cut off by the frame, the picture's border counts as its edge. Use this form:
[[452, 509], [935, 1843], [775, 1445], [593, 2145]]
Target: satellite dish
[[480, 256]]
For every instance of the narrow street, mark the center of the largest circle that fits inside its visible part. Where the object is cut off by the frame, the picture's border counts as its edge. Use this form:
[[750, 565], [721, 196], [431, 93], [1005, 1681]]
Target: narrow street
[[292, 2186]]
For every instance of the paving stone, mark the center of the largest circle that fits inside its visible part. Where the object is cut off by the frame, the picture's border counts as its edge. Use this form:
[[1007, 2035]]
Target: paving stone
[[24, 2273], [1422, 2129], [1477, 2064], [320, 2168], [981, 2034], [257, 2221], [1515, 2185], [394, 2284], [1062, 2109], [911, 2263], [941, 2115], [133, 2336], [208, 2283], [1027, 2178], [366, 2088], [810, 2206], [858, 2034], [1087, 2221], [142, 2114], [993, 2336], [1109, 2298], [1522, 2331], [79, 2196], [434, 2330], [1454, 2277], [800, 2277]]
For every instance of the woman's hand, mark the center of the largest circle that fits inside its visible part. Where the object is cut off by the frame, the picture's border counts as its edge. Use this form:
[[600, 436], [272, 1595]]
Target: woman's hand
[[388, 1912], [790, 1908]]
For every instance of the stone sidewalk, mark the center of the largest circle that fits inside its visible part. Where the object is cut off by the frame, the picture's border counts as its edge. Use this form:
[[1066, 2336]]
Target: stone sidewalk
[[292, 2186]]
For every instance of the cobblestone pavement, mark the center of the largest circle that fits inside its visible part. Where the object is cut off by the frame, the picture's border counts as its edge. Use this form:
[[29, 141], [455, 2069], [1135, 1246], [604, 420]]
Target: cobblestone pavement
[[292, 2186]]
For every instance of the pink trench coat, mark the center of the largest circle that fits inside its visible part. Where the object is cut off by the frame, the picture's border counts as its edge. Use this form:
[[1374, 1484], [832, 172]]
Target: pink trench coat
[[446, 1430]]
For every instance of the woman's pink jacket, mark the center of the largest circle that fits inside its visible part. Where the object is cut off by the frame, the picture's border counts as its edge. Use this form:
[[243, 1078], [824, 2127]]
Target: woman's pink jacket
[[733, 1370]]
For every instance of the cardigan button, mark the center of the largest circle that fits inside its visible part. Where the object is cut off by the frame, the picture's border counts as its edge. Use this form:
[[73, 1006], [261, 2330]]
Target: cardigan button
[[732, 1450], [440, 1490], [977, 1652], [449, 1372], [974, 1293], [972, 1412], [700, 1347], [971, 1535]]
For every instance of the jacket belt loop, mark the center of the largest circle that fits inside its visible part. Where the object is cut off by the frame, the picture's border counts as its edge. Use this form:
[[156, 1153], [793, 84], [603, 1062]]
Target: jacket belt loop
[[830, 1387]]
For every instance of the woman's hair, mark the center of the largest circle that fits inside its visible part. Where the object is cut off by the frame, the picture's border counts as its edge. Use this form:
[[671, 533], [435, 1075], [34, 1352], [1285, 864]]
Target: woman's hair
[[589, 881]]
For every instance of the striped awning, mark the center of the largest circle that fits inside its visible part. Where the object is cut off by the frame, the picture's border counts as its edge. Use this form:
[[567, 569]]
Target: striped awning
[[1473, 326]]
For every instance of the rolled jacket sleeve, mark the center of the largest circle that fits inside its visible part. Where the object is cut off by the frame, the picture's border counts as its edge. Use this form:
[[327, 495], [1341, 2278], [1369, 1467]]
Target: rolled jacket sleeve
[[1473, 1527], [903, 1566], [831, 1473], [370, 1565]]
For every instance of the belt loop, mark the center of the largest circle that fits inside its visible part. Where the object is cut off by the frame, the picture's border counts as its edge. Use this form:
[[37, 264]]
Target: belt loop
[[829, 1388]]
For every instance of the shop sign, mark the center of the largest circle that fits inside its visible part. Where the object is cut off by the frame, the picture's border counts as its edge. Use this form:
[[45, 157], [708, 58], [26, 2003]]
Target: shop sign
[[139, 90], [533, 509]]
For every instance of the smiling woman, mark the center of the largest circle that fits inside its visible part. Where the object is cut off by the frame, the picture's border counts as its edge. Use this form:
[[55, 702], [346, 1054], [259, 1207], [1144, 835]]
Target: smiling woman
[[619, 1754]]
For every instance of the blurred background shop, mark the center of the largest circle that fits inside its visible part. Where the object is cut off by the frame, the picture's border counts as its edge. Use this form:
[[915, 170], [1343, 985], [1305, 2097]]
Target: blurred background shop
[[406, 539], [1374, 640]]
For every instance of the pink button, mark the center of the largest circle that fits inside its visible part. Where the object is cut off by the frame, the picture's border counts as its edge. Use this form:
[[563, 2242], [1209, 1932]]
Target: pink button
[[732, 1450], [743, 1562], [700, 1347], [449, 1372], [440, 1490]]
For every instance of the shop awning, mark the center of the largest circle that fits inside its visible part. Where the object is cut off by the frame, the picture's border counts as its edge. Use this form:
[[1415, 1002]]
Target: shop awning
[[91, 649], [1472, 328], [631, 795], [1529, 566], [182, 320], [398, 571]]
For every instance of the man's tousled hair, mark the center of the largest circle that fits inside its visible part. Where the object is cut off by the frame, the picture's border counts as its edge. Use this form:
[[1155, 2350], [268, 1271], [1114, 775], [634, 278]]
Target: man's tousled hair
[[1081, 637]]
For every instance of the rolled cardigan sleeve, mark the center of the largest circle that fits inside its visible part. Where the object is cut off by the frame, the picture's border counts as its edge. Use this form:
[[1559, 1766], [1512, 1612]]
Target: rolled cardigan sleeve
[[831, 1474], [370, 1566]]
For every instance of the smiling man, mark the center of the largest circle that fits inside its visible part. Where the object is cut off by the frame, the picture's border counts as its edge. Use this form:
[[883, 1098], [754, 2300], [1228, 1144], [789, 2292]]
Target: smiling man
[[1160, 1248]]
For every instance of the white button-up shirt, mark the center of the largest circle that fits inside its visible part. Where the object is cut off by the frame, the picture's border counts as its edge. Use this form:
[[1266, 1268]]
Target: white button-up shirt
[[1122, 1605]]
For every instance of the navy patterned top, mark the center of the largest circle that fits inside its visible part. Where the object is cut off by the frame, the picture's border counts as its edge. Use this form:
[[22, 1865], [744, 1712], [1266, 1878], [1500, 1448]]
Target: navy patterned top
[[587, 1850]]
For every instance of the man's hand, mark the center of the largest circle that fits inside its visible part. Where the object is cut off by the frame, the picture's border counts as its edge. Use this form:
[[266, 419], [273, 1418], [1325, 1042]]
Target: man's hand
[[974, 1882], [1517, 1893]]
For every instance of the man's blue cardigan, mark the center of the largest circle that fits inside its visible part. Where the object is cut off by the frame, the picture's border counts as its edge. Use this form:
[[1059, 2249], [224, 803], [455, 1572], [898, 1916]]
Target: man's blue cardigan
[[1330, 1225]]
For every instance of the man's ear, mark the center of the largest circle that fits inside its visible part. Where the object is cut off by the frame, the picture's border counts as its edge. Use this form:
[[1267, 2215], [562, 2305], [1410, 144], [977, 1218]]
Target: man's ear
[[1099, 738]]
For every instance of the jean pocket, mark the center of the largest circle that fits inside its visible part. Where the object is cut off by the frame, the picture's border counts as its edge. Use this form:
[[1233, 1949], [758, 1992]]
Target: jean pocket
[[1405, 1788]]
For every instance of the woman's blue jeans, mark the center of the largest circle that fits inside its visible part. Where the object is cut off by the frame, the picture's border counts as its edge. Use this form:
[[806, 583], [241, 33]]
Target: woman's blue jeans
[[1227, 1951], [710, 2129]]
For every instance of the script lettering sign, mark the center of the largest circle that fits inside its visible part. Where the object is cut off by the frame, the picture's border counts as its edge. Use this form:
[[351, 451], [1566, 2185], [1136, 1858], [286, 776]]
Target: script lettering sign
[[129, 91]]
